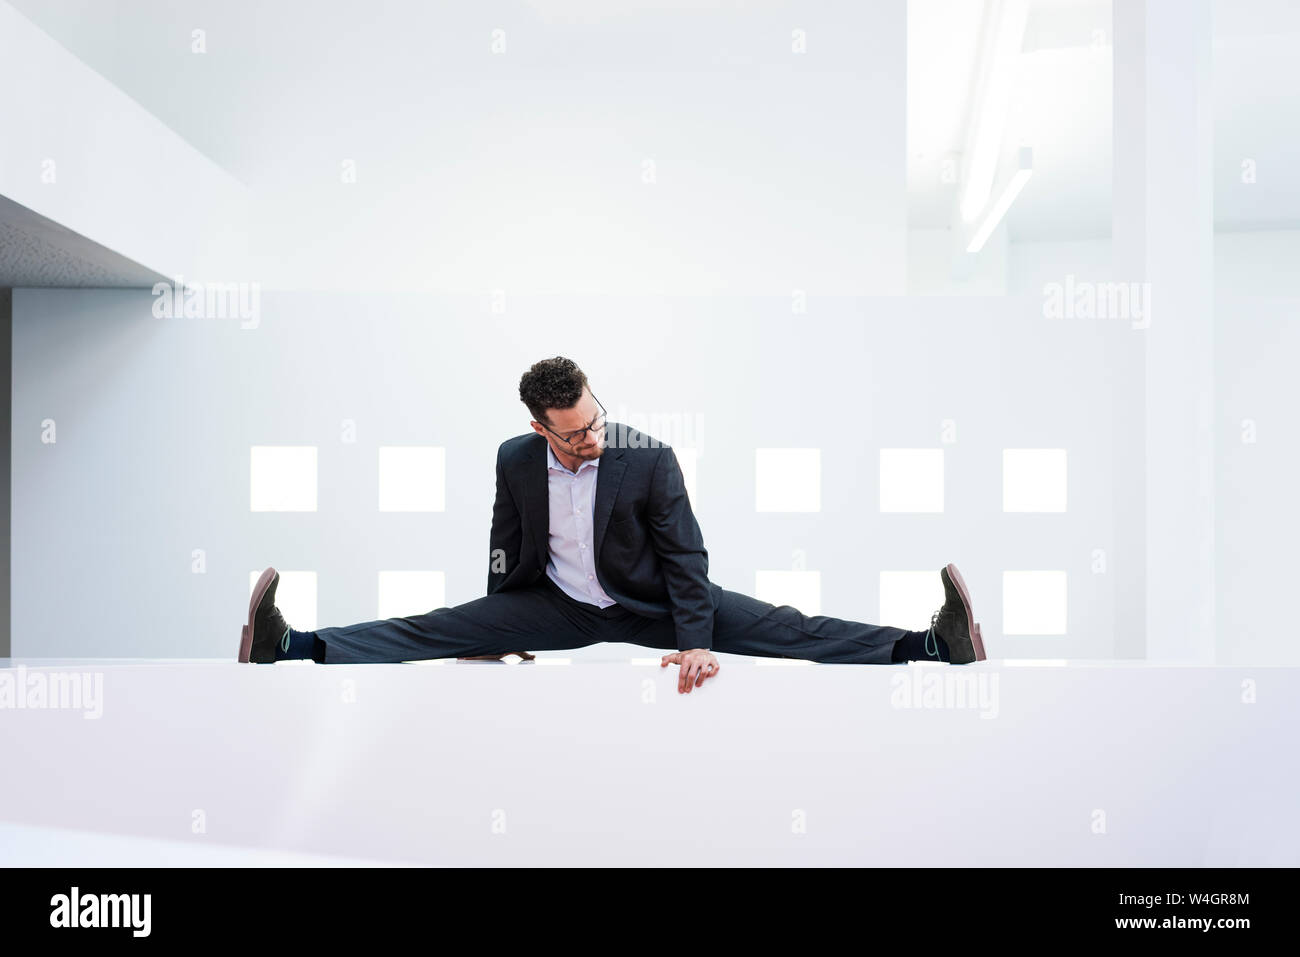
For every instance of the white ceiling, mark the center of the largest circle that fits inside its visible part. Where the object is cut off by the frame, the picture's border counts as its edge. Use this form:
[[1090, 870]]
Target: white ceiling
[[1062, 107], [271, 65], [36, 251]]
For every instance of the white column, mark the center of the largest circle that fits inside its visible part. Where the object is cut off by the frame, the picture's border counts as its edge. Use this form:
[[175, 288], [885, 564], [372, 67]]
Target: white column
[[1179, 247]]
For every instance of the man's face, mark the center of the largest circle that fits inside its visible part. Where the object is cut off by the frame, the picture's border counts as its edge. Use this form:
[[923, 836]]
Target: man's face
[[566, 421]]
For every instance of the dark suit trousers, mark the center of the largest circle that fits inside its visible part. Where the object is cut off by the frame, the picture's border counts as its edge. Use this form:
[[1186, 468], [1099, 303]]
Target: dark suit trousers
[[542, 617]]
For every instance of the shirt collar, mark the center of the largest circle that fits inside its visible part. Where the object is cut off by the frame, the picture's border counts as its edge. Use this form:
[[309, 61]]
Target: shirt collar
[[553, 462]]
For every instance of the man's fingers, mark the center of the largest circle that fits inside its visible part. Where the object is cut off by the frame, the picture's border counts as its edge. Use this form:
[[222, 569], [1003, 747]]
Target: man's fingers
[[692, 671], [695, 668], [703, 671]]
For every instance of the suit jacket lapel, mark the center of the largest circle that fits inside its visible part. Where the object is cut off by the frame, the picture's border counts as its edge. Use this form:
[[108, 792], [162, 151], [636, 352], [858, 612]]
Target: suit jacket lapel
[[538, 500], [609, 476]]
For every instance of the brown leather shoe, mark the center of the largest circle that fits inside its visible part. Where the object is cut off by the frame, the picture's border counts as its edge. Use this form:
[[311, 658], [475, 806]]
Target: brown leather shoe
[[955, 621], [266, 626]]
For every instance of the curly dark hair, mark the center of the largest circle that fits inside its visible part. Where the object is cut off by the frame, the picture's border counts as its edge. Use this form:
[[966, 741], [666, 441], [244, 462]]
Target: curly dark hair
[[551, 384]]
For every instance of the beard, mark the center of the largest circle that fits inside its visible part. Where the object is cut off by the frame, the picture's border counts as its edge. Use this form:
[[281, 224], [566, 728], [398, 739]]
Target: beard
[[594, 451]]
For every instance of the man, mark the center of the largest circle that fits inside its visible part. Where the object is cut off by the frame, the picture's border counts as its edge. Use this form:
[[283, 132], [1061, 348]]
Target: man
[[592, 542]]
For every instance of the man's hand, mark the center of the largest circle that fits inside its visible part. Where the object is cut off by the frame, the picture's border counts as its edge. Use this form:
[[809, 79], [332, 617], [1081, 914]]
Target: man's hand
[[697, 664], [522, 654]]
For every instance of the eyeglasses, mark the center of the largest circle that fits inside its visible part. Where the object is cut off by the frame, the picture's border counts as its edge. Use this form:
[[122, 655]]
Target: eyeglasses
[[573, 438]]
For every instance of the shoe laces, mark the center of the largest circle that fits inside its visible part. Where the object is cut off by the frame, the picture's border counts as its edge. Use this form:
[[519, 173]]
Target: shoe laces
[[931, 636]]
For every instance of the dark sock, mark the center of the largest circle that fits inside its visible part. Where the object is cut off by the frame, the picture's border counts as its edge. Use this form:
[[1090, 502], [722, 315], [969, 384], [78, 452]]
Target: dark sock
[[918, 646], [300, 644]]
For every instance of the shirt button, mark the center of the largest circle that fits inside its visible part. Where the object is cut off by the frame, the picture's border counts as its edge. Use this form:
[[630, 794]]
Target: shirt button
[[590, 577], [582, 544]]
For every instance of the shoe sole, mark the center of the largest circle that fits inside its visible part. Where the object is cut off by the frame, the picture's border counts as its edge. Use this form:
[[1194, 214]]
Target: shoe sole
[[977, 640], [246, 636]]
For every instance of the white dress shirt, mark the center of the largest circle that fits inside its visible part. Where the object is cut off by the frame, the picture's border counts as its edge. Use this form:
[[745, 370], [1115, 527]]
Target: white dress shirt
[[572, 561]]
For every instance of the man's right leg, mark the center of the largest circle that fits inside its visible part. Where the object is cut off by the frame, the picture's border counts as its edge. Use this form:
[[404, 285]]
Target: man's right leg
[[526, 619]]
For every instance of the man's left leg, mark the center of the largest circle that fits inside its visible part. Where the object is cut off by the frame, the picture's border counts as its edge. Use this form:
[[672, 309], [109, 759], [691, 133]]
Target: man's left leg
[[747, 626]]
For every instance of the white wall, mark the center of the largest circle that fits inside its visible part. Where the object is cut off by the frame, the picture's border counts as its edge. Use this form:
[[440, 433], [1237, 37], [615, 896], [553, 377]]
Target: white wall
[[155, 418]]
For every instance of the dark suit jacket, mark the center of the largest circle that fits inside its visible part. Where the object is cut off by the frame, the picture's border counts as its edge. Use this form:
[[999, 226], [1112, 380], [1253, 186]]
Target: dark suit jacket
[[650, 555]]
